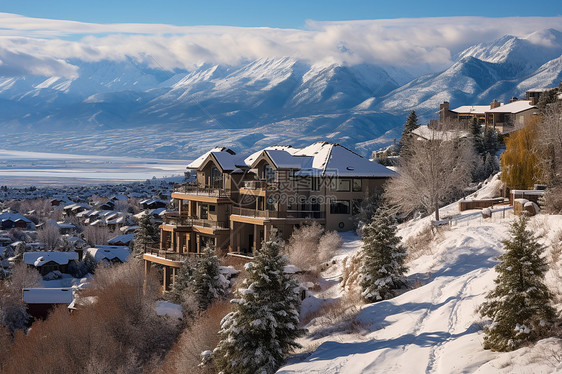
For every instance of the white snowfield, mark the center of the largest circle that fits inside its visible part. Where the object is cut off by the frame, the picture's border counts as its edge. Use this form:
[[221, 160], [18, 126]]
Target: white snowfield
[[436, 328]]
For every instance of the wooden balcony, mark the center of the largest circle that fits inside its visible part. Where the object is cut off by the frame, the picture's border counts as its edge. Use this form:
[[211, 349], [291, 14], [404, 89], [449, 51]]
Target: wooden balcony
[[175, 219], [291, 214]]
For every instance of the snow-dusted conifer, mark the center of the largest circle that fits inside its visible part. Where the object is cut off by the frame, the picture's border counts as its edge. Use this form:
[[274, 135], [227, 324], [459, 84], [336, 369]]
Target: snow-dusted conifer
[[519, 306], [383, 258], [147, 234], [410, 125], [182, 282], [261, 331], [206, 279]]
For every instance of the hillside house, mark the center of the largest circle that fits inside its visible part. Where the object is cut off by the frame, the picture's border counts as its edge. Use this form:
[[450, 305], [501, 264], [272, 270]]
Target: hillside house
[[238, 202], [504, 118], [111, 254], [9, 220]]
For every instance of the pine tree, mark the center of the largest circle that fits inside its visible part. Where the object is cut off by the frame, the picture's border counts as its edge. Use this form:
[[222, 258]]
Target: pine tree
[[519, 306], [383, 259], [475, 129], [206, 280], [146, 234], [410, 125], [261, 331], [182, 282]]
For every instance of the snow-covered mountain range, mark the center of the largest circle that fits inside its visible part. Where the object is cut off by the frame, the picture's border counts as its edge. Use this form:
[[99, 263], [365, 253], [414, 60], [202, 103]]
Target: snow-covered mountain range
[[283, 99]]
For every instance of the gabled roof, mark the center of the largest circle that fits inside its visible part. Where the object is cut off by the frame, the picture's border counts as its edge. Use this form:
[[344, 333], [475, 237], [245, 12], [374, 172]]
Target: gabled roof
[[514, 107], [41, 258], [287, 148], [324, 159], [13, 216], [196, 164]]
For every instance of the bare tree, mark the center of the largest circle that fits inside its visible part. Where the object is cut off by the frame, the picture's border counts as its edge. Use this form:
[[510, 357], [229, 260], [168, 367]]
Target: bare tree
[[549, 149], [434, 170], [96, 235], [50, 235]]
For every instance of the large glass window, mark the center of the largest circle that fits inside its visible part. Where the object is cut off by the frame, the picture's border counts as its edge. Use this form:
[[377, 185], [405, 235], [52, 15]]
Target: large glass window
[[339, 207], [269, 173], [216, 177]]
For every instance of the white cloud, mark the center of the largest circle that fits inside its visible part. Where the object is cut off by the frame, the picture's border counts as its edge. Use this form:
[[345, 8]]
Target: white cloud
[[424, 44]]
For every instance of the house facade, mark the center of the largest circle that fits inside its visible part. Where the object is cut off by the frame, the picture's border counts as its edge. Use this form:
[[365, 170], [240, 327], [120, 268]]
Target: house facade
[[503, 118], [238, 202]]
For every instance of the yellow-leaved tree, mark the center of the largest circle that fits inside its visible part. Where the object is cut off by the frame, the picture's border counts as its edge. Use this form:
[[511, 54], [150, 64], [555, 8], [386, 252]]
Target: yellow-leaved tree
[[520, 161]]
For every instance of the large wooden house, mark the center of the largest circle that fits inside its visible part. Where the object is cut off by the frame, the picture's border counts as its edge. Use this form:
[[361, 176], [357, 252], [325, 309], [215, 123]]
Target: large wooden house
[[237, 202]]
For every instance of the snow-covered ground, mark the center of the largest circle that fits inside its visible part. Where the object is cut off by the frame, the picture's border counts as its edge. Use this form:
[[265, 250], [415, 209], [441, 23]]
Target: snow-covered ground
[[435, 327]]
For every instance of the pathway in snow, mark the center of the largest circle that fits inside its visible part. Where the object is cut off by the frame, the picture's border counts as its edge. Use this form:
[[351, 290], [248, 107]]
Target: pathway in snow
[[431, 329]]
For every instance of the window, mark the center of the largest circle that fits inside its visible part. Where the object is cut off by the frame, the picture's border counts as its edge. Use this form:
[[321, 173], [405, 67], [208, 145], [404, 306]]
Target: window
[[269, 173], [211, 208], [357, 185], [216, 177], [204, 211], [339, 207], [341, 185]]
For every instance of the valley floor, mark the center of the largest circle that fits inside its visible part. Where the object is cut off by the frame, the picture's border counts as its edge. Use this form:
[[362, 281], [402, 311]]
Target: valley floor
[[435, 327]]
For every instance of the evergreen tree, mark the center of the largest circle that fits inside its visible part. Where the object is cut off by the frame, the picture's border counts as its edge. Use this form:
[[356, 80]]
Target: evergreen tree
[[261, 331], [206, 280], [182, 282], [490, 141], [147, 234], [410, 125], [477, 139], [519, 306], [383, 258]]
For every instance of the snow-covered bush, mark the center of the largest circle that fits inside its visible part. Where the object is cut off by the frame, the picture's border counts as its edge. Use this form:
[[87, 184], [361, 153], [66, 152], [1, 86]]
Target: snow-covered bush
[[310, 245]]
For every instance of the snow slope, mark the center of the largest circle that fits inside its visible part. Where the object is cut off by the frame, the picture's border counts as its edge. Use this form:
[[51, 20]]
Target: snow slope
[[434, 328]]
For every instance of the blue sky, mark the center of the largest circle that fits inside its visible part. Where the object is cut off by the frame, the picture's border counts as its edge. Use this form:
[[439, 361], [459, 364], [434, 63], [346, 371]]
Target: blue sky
[[282, 14]]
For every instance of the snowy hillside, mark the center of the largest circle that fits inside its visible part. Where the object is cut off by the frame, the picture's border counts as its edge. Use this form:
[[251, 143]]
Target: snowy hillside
[[433, 328]]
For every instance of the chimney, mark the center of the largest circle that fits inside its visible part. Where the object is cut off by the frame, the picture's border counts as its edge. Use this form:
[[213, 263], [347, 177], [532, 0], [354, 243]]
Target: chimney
[[444, 106], [513, 99], [494, 104]]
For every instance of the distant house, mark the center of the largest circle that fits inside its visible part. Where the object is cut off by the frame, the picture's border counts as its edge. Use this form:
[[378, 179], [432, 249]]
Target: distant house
[[40, 301], [109, 253], [427, 133], [46, 262], [74, 209], [10, 220], [121, 240], [504, 118], [153, 204]]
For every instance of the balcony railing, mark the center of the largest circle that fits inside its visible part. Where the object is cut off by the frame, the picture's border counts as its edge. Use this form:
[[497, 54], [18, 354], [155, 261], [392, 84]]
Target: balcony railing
[[194, 189], [261, 184], [276, 214], [174, 218], [170, 255]]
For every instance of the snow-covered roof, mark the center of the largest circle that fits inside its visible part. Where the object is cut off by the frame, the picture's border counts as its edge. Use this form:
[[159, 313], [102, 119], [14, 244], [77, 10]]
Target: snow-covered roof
[[48, 295], [196, 164], [323, 158], [427, 133], [126, 238], [287, 148], [471, 109], [514, 107], [109, 252], [13, 216], [228, 161], [41, 258]]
